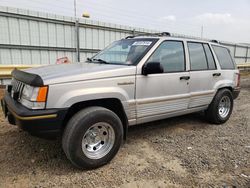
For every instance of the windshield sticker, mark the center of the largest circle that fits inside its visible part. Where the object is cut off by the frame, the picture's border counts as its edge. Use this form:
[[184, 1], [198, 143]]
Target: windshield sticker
[[141, 43]]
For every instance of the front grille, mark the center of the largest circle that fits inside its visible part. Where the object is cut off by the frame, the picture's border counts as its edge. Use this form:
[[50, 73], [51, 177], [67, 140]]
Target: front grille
[[17, 87]]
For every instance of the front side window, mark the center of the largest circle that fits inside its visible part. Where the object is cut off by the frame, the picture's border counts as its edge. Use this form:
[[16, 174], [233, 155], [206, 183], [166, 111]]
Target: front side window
[[197, 56], [125, 51], [224, 57], [171, 56]]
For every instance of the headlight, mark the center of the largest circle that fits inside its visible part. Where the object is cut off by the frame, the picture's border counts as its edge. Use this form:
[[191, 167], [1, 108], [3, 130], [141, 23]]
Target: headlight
[[34, 97], [30, 93]]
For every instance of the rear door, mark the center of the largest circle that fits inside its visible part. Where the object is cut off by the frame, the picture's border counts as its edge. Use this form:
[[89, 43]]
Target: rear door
[[203, 74]]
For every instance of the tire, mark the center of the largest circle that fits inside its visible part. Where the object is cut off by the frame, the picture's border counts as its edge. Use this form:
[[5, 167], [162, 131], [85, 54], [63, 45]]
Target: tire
[[215, 113], [92, 137]]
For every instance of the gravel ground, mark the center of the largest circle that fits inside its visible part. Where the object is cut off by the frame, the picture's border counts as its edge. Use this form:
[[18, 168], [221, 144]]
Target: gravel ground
[[184, 151]]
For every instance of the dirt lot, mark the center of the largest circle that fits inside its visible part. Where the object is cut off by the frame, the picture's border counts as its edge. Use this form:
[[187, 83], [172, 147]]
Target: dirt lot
[[178, 152]]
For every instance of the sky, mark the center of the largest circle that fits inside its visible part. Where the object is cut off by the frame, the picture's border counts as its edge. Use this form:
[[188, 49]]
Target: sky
[[224, 20]]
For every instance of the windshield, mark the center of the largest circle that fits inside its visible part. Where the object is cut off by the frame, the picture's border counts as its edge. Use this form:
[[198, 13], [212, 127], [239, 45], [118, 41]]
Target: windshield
[[125, 51]]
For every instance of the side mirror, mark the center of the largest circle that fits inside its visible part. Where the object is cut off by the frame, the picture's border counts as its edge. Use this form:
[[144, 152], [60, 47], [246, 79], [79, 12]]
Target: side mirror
[[152, 68]]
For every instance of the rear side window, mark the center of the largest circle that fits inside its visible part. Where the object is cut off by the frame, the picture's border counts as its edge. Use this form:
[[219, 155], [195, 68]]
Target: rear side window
[[210, 58], [197, 56], [224, 57]]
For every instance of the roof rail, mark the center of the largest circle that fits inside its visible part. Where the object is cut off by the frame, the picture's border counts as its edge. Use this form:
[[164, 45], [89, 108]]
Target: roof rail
[[215, 41], [149, 34]]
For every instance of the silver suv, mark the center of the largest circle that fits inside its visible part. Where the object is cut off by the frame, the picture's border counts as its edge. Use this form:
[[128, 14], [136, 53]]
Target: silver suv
[[135, 80]]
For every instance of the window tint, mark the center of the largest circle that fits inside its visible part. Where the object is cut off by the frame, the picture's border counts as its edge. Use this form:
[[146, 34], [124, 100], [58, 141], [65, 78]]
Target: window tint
[[210, 59], [197, 56], [171, 55], [224, 57]]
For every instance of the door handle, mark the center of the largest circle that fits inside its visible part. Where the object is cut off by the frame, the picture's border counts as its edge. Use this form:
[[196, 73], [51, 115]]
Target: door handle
[[216, 74], [185, 78]]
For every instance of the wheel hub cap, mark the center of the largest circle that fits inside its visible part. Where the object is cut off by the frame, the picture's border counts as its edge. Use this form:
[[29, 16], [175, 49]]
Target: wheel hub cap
[[98, 140], [224, 106]]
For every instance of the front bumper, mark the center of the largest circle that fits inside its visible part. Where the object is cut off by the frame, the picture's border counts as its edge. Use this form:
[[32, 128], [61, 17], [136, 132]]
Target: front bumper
[[42, 123]]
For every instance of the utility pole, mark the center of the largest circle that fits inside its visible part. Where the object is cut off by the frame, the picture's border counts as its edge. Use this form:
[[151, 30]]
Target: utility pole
[[77, 37], [75, 9], [76, 34], [202, 31]]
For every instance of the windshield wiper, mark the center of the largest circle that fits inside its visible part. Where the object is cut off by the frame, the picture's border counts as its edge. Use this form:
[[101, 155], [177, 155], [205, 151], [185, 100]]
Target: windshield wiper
[[105, 62], [100, 61], [89, 59]]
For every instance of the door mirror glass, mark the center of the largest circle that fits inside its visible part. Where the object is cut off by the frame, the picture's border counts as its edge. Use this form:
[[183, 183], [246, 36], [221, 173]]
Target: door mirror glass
[[152, 68]]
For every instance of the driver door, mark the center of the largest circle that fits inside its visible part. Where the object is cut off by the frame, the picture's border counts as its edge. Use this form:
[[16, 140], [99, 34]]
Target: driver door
[[162, 94]]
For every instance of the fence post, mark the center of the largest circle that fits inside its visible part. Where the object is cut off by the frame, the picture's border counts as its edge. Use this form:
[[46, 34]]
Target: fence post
[[235, 46], [247, 54], [77, 40], [133, 32]]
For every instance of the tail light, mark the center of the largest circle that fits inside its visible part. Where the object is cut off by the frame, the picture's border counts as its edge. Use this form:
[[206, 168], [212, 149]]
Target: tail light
[[238, 80]]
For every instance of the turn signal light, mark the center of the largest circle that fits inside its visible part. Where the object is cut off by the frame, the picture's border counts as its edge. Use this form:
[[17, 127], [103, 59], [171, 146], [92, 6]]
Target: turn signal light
[[238, 80], [42, 94]]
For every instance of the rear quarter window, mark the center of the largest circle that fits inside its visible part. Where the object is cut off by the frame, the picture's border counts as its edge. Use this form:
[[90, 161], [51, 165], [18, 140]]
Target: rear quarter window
[[224, 57], [210, 59]]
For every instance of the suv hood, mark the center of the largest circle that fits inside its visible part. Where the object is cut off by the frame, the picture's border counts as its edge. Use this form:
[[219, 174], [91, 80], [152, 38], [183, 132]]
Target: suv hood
[[53, 74]]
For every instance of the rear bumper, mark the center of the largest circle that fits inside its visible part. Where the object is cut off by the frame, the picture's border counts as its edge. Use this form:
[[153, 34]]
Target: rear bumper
[[236, 92], [41, 123]]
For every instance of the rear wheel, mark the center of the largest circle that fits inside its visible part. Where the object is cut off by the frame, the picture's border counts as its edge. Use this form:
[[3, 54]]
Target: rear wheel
[[221, 107], [92, 137]]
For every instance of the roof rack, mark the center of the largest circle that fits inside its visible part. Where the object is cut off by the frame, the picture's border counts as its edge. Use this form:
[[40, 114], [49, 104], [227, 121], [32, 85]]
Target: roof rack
[[215, 41], [162, 34], [149, 34]]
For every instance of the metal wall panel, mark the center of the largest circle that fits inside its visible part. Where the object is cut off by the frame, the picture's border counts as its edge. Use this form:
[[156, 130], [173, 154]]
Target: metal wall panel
[[14, 31], [26, 56], [4, 30], [30, 37], [107, 38], [59, 35], [52, 57], [24, 32], [240, 60], [89, 38], [34, 33], [52, 34], [5, 57], [16, 56], [240, 51], [85, 55]]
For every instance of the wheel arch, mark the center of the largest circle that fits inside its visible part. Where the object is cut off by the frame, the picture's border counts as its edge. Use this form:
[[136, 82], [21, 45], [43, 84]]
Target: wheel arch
[[225, 87], [113, 104], [212, 112], [230, 88], [224, 84]]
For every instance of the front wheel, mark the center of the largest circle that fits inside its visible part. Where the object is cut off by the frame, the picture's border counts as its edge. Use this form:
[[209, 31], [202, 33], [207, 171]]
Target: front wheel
[[92, 137], [221, 107]]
